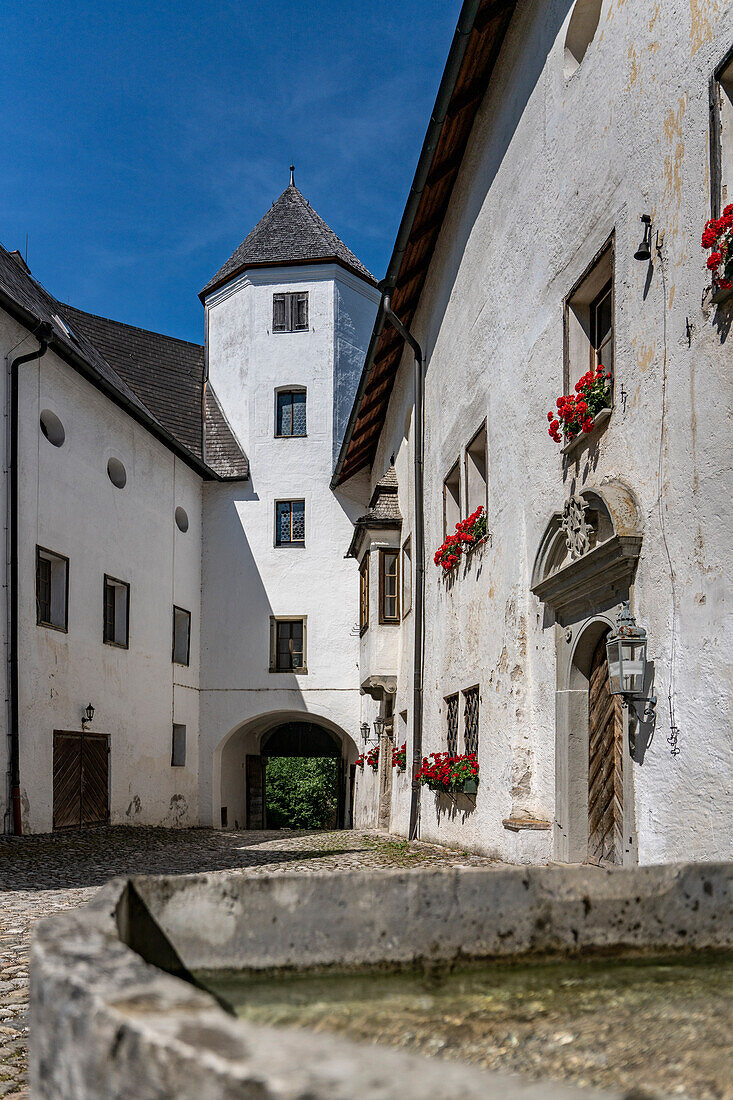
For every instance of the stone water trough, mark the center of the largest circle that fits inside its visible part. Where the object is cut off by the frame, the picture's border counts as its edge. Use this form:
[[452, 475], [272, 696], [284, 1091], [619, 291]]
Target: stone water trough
[[113, 1016]]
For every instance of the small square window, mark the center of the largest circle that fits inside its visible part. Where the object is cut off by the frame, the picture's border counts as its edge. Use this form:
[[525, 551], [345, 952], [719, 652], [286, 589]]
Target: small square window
[[289, 523], [451, 500], [389, 603], [181, 636], [290, 418], [364, 594], [178, 746], [52, 589], [290, 312], [406, 577], [116, 612], [287, 645]]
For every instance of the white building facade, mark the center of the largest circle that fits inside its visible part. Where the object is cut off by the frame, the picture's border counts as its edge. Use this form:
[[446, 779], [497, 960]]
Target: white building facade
[[518, 268]]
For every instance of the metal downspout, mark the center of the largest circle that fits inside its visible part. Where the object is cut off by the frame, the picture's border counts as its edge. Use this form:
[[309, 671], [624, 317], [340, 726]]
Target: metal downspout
[[418, 535], [43, 333]]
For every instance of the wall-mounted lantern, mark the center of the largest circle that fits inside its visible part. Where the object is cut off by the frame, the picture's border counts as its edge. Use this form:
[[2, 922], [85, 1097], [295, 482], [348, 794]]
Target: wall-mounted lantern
[[365, 732], [379, 726], [626, 650], [644, 251], [87, 716]]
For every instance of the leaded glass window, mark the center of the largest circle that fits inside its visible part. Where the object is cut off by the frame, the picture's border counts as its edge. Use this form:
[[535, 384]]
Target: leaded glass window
[[290, 523], [290, 413], [289, 645]]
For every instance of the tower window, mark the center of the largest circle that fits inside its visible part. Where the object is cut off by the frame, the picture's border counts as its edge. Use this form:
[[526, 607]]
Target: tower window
[[289, 523], [290, 312], [290, 419]]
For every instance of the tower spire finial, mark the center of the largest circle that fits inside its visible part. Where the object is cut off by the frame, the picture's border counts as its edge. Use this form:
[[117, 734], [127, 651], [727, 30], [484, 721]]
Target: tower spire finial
[[292, 175]]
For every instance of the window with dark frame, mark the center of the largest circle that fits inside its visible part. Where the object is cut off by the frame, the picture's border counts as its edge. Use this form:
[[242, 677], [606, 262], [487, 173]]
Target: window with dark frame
[[289, 523], [290, 312], [116, 612], [290, 417], [181, 636], [364, 594], [178, 746], [452, 500], [288, 645], [470, 719], [451, 711], [389, 604], [589, 320], [52, 589], [406, 577], [476, 472]]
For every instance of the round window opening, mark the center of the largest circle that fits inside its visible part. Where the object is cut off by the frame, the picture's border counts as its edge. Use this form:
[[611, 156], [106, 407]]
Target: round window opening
[[581, 32], [52, 428], [117, 473], [181, 520]]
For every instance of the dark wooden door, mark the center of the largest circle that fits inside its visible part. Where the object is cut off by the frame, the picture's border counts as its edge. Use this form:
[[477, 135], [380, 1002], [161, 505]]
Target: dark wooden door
[[605, 765], [255, 792], [80, 779]]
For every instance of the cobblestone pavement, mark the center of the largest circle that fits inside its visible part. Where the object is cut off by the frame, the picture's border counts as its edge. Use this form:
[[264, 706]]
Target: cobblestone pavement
[[42, 875]]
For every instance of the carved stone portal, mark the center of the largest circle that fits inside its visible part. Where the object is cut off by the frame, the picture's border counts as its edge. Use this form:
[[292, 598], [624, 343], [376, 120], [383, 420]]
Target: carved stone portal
[[575, 526]]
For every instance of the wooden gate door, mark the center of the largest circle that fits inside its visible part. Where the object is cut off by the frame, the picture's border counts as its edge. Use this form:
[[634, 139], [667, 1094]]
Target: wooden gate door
[[80, 779], [255, 792], [605, 765]]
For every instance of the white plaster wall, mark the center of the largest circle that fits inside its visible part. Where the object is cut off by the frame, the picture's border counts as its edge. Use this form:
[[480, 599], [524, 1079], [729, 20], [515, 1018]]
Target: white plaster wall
[[69, 505], [246, 578], [553, 167]]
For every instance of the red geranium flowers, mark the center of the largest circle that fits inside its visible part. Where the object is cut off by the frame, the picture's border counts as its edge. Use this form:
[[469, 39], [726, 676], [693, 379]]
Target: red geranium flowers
[[576, 411], [443, 772], [718, 235], [469, 532], [399, 757]]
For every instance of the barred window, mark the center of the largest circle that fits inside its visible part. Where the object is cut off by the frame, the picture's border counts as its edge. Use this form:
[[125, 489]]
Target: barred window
[[470, 719], [451, 710], [389, 611], [364, 594], [290, 312], [290, 523], [287, 645], [290, 413]]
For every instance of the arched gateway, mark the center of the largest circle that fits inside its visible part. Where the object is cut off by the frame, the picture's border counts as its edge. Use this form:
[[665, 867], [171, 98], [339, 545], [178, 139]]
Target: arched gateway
[[240, 764], [583, 572]]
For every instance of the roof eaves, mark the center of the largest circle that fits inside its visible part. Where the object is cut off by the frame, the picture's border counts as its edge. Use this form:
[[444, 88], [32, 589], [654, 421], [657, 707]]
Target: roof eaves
[[210, 288]]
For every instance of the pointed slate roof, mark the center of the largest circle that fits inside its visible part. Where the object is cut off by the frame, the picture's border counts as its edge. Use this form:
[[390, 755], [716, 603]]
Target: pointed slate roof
[[290, 233]]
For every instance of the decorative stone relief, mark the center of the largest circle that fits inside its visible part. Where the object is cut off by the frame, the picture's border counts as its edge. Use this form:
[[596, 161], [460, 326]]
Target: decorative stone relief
[[575, 527]]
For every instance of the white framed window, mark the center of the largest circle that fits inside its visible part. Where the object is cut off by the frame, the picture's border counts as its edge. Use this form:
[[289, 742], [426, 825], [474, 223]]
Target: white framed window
[[290, 312], [52, 589]]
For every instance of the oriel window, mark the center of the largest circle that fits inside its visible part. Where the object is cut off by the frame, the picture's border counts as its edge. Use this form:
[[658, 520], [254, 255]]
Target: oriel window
[[290, 418], [116, 612], [290, 312], [364, 594], [290, 523], [389, 609]]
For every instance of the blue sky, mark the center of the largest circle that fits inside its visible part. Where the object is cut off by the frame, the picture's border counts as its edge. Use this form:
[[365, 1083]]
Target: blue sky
[[143, 140]]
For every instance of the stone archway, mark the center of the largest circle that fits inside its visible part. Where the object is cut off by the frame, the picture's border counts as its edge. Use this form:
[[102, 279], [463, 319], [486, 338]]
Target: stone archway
[[240, 763], [583, 571]]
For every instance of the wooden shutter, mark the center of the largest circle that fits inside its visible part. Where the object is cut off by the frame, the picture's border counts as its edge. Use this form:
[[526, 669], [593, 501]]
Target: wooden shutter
[[300, 310], [279, 314], [605, 765]]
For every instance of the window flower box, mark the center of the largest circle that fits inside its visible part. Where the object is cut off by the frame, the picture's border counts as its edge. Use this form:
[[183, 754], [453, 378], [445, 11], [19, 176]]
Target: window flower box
[[372, 758], [399, 758], [598, 420], [718, 238], [580, 412], [469, 534], [445, 773]]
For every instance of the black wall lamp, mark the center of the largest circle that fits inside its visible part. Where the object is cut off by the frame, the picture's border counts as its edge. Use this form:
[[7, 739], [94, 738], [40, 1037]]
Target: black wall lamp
[[87, 716], [644, 251]]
